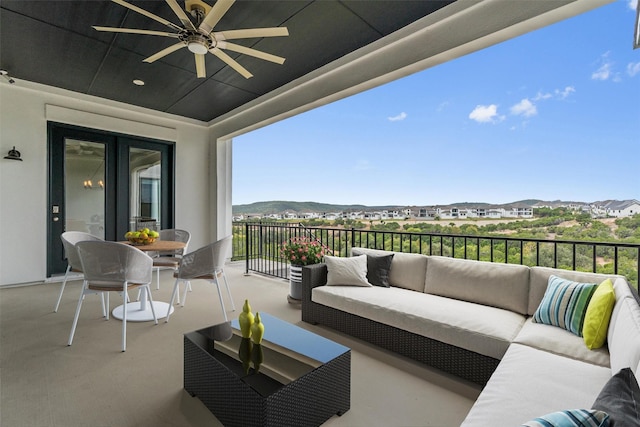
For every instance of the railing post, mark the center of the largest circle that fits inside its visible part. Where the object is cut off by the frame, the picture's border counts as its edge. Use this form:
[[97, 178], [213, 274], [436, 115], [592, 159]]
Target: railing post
[[353, 238], [246, 247]]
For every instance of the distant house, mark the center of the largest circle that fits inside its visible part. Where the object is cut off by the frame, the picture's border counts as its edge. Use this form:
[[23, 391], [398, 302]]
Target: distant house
[[397, 215], [372, 216], [622, 208], [332, 216], [356, 215], [446, 214], [495, 213], [309, 215], [518, 212]]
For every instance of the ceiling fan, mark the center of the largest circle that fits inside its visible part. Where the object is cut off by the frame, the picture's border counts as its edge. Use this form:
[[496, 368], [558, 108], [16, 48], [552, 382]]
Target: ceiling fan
[[199, 37]]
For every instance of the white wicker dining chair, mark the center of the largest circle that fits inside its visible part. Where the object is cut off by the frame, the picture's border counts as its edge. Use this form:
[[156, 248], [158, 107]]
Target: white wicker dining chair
[[170, 259], [206, 263], [113, 267], [69, 240]]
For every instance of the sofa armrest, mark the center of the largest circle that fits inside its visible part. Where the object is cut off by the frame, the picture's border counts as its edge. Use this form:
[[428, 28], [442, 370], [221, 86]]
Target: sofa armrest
[[312, 276]]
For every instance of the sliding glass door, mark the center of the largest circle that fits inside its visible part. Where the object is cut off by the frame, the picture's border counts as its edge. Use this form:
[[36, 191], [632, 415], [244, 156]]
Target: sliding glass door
[[105, 184]]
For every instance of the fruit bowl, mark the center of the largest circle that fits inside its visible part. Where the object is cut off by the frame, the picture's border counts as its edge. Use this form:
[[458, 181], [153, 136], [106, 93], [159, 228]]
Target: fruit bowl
[[144, 236]]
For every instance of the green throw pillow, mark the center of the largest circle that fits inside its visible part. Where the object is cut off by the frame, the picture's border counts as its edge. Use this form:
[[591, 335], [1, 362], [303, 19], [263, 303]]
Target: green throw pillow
[[564, 304], [596, 320]]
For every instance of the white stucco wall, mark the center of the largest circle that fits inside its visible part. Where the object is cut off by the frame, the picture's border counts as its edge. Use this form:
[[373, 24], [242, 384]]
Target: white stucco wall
[[24, 110]]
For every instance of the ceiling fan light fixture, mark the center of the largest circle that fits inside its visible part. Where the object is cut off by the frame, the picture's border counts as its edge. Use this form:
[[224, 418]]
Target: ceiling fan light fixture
[[197, 45]]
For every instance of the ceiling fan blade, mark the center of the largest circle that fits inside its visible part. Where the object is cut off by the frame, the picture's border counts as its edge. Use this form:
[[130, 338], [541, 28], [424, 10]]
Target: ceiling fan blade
[[147, 14], [164, 52], [215, 15], [252, 52], [231, 62], [251, 33], [181, 14], [200, 67], [136, 31]]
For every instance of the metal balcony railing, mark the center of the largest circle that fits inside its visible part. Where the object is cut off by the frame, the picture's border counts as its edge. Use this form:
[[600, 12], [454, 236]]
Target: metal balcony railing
[[259, 245]]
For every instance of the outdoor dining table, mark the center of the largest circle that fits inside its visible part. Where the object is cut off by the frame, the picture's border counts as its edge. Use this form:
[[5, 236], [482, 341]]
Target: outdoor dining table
[[140, 311]]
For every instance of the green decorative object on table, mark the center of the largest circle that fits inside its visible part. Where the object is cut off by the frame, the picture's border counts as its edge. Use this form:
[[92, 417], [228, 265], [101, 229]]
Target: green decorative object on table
[[257, 356], [246, 320], [257, 330], [244, 353]]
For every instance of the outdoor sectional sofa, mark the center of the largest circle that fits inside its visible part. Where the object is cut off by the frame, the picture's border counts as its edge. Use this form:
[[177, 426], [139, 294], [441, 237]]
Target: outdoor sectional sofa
[[474, 319]]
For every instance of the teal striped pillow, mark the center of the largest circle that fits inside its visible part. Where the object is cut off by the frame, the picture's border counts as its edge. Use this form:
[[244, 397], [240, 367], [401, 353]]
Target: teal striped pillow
[[571, 418], [564, 304]]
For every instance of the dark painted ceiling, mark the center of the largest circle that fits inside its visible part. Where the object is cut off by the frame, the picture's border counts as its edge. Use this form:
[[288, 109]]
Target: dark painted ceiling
[[52, 42]]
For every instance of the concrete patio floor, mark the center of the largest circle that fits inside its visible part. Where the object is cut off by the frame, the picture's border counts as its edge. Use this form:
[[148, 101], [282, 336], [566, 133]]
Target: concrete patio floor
[[43, 382]]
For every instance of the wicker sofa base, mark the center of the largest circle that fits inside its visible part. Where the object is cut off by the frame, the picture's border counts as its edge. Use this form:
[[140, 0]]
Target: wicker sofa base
[[463, 363]]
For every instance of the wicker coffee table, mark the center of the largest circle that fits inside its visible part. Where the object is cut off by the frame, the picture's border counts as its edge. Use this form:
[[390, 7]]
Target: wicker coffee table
[[294, 378]]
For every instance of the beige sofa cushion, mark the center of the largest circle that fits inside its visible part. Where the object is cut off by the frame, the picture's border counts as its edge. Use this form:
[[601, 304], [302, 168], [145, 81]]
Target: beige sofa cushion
[[561, 342], [539, 279], [479, 328], [529, 383], [407, 270], [624, 338], [498, 285]]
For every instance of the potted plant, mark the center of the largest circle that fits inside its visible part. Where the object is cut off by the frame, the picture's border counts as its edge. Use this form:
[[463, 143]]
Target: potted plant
[[300, 251]]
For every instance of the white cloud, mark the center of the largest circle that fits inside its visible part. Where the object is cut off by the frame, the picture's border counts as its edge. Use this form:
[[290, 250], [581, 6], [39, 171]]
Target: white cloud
[[564, 93], [542, 96], [633, 68], [633, 4], [397, 118], [606, 70], [486, 114], [602, 73], [524, 108]]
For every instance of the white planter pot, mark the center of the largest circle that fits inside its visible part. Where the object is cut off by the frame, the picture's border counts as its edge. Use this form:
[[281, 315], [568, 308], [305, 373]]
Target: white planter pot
[[295, 282]]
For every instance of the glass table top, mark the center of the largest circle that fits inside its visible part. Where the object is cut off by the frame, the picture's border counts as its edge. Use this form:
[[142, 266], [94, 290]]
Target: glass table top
[[287, 352]]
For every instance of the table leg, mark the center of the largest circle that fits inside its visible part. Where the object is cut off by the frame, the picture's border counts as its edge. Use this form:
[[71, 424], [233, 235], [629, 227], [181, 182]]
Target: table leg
[[140, 311]]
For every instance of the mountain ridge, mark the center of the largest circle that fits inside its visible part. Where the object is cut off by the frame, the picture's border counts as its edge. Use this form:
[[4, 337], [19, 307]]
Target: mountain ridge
[[279, 206]]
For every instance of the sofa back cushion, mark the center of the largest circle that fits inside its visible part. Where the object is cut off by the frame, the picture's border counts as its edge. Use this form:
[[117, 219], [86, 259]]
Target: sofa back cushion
[[540, 279], [407, 270], [498, 285], [624, 332]]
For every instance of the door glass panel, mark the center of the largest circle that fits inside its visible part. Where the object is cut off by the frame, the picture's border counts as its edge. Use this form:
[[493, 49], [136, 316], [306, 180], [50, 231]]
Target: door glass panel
[[84, 187], [145, 181]]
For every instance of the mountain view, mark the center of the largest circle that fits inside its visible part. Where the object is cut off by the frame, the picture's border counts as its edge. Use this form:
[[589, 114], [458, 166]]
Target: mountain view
[[270, 207]]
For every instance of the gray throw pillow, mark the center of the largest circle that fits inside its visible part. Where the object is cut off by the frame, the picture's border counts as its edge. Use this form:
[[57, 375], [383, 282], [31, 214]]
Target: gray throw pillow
[[378, 267], [620, 398], [346, 271]]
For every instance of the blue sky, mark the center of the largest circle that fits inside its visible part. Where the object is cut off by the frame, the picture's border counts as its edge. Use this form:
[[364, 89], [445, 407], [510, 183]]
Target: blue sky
[[553, 114]]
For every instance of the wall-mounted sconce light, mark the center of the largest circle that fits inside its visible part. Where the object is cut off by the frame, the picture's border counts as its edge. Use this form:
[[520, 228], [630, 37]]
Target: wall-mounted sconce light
[[13, 154]]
